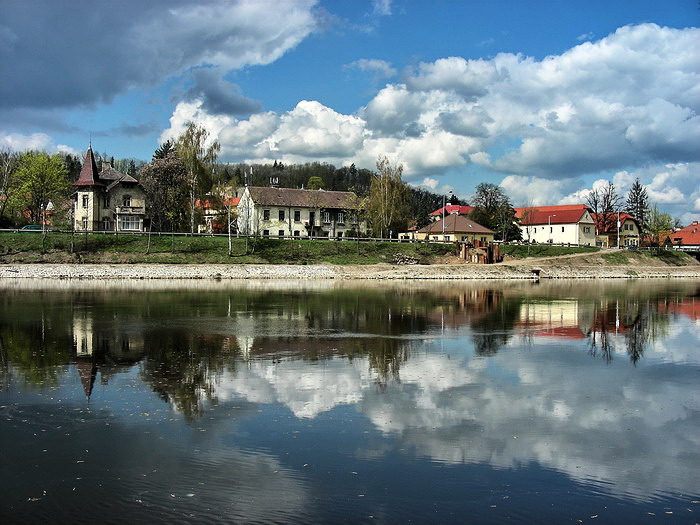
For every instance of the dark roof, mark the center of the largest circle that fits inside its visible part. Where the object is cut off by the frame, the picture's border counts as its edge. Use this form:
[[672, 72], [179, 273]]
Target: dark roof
[[455, 224], [112, 177], [303, 198], [89, 175]]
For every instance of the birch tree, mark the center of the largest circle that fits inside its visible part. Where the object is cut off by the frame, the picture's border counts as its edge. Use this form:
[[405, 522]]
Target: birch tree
[[198, 159], [387, 204]]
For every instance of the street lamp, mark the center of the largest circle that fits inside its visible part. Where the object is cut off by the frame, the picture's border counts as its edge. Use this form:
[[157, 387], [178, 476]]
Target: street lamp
[[444, 205], [549, 224]]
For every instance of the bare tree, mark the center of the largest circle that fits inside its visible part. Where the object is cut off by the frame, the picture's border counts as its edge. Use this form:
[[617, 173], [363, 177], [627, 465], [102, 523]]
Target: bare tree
[[8, 164]]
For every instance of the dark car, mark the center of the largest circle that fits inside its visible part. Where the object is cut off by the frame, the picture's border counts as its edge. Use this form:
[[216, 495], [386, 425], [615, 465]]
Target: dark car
[[31, 228]]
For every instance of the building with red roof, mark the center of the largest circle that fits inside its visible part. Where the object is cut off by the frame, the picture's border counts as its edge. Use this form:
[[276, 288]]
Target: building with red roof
[[565, 224], [688, 237], [617, 229], [450, 209]]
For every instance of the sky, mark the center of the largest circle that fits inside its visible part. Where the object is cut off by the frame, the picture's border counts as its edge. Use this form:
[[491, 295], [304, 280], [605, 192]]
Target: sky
[[547, 98]]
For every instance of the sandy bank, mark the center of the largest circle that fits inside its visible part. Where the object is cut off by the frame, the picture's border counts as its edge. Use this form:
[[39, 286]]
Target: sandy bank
[[303, 272]]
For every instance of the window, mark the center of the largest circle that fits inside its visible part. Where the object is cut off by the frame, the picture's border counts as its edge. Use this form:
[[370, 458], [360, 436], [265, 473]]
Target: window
[[586, 229], [129, 222], [281, 215], [106, 224], [534, 230], [297, 215], [296, 233], [280, 233], [312, 218], [266, 233], [341, 217], [483, 239], [85, 221], [550, 229], [86, 201], [562, 229], [266, 215], [326, 217], [127, 201], [339, 235], [105, 201]]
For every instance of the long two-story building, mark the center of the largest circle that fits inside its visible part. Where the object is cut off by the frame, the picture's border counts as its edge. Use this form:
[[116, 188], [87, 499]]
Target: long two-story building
[[289, 212]]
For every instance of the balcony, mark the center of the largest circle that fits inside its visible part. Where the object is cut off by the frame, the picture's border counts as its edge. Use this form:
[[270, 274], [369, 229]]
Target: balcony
[[130, 210]]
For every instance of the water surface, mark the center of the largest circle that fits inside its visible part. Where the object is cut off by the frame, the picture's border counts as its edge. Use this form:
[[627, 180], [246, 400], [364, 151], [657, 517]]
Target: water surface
[[331, 402]]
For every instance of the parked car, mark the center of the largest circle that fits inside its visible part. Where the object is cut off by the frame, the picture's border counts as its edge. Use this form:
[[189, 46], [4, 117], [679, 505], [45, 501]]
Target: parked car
[[31, 228]]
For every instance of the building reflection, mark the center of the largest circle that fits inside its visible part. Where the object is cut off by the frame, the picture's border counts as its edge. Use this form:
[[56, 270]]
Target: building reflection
[[184, 341], [104, 347]]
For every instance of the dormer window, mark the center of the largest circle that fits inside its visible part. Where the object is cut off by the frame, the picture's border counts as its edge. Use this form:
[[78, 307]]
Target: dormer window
[[127, 201]]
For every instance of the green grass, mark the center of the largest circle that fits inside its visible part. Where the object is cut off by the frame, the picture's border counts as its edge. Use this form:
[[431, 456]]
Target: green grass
[[543, 250], [124, 248], [617, 257], [672, 257]]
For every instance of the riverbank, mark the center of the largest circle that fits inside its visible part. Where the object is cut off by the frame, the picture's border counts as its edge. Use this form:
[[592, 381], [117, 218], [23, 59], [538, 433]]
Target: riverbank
[[544, 269]]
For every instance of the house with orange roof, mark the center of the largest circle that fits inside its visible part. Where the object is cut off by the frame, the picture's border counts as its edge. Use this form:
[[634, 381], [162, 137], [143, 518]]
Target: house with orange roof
[[214, 214], [620, 230], [688, 237], [565, 224]]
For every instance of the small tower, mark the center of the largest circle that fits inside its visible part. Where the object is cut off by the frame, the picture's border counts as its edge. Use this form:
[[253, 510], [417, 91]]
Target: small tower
[[89, 189]]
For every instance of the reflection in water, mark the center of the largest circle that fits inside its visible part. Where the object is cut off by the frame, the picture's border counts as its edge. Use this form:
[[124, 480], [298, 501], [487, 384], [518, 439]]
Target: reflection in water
[[462, 374]]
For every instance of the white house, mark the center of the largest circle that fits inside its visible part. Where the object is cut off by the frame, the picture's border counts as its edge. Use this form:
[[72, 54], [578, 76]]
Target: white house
[[566, 224], [289, 212]]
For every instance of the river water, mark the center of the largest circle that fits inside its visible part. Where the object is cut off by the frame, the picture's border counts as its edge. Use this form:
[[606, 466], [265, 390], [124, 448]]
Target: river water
[[324, 402]]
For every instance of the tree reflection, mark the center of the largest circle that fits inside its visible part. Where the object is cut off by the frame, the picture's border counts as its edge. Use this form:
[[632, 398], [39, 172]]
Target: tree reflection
[[638, 322], [494, 330], [185, 340]]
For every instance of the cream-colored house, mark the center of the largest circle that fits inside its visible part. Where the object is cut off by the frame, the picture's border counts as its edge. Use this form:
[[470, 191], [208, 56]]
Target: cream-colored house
[[622, 228], [108, 200], [566, 224], [455, 228], [289, 212]]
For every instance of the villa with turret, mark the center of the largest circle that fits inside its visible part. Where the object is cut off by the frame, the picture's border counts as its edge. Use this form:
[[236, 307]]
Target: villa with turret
[[107, 200]]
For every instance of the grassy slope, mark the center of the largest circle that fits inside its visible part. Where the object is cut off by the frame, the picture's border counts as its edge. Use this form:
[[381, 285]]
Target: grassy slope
[[56, 248], [30, 248]]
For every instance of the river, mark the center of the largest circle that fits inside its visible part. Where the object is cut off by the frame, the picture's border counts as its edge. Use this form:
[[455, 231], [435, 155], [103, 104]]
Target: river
[[327, 402]]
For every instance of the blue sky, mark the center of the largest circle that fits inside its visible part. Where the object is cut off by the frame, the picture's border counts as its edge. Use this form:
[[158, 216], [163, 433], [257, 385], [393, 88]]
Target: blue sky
[[546, 98]]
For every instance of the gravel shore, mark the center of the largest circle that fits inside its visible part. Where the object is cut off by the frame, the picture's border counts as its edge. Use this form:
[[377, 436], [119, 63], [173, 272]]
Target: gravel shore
[[305, 272]]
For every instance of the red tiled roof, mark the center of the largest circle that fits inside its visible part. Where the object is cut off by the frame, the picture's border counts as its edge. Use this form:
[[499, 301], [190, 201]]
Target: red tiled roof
[[455, 224], [232, 201], [598, 218], [690, 235], [89, 176], [453, 208], [566, 214]]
